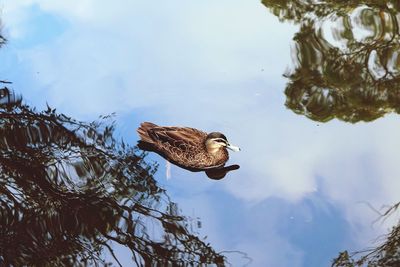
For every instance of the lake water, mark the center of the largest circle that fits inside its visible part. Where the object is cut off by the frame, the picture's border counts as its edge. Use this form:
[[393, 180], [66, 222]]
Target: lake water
[[309, 92]]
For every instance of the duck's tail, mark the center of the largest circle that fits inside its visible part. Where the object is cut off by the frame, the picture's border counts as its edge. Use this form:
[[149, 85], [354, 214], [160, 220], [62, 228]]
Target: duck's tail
[[143, 131], [145, 139]]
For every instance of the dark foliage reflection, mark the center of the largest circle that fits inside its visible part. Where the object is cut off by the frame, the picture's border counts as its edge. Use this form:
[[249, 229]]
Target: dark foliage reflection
[[353, 75], [386, 254], [69, 191]]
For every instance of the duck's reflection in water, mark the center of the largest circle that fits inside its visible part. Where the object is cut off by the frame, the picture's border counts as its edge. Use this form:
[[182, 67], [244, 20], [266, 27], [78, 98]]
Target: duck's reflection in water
[[220, 173]]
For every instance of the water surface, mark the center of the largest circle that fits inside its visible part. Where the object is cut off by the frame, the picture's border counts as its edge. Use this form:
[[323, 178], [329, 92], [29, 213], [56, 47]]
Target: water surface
[[308, 91]]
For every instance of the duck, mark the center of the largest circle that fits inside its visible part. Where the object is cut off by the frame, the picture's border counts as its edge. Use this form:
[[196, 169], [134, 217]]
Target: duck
[[186, 147]]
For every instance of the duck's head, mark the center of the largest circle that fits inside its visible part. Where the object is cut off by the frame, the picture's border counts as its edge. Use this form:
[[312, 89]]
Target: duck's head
[[216, 141]]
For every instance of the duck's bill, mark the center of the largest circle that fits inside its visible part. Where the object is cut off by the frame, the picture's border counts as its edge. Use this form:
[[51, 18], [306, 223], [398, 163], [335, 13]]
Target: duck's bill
[[233, 148]]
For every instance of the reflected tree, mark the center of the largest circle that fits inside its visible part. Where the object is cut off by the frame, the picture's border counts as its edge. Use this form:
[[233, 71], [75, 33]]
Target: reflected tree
[[346, 66], [70, 193], [386, 254], [346, 55]]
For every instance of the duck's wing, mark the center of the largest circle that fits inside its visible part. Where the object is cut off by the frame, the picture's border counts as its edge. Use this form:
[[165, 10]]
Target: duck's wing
[[183, 138]]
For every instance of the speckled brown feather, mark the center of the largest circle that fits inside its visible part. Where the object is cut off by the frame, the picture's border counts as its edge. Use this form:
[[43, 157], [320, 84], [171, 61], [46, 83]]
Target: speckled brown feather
[[182, 146]]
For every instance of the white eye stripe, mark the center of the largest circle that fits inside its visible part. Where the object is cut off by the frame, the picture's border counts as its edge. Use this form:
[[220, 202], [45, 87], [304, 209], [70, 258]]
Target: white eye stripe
[[220, 140]]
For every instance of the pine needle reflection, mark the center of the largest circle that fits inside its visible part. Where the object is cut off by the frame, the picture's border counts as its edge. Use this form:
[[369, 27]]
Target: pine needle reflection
[[69, 191]]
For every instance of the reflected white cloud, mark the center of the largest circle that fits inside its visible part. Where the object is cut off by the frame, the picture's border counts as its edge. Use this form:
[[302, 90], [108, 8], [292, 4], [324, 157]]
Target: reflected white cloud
[[107, 56]]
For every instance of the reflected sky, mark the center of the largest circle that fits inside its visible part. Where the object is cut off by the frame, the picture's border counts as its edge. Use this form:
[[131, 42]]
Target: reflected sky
[[301, 192]]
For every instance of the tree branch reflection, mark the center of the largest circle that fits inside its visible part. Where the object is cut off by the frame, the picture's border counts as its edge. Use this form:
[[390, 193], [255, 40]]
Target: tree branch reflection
[[346, 58], [69, 191]]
